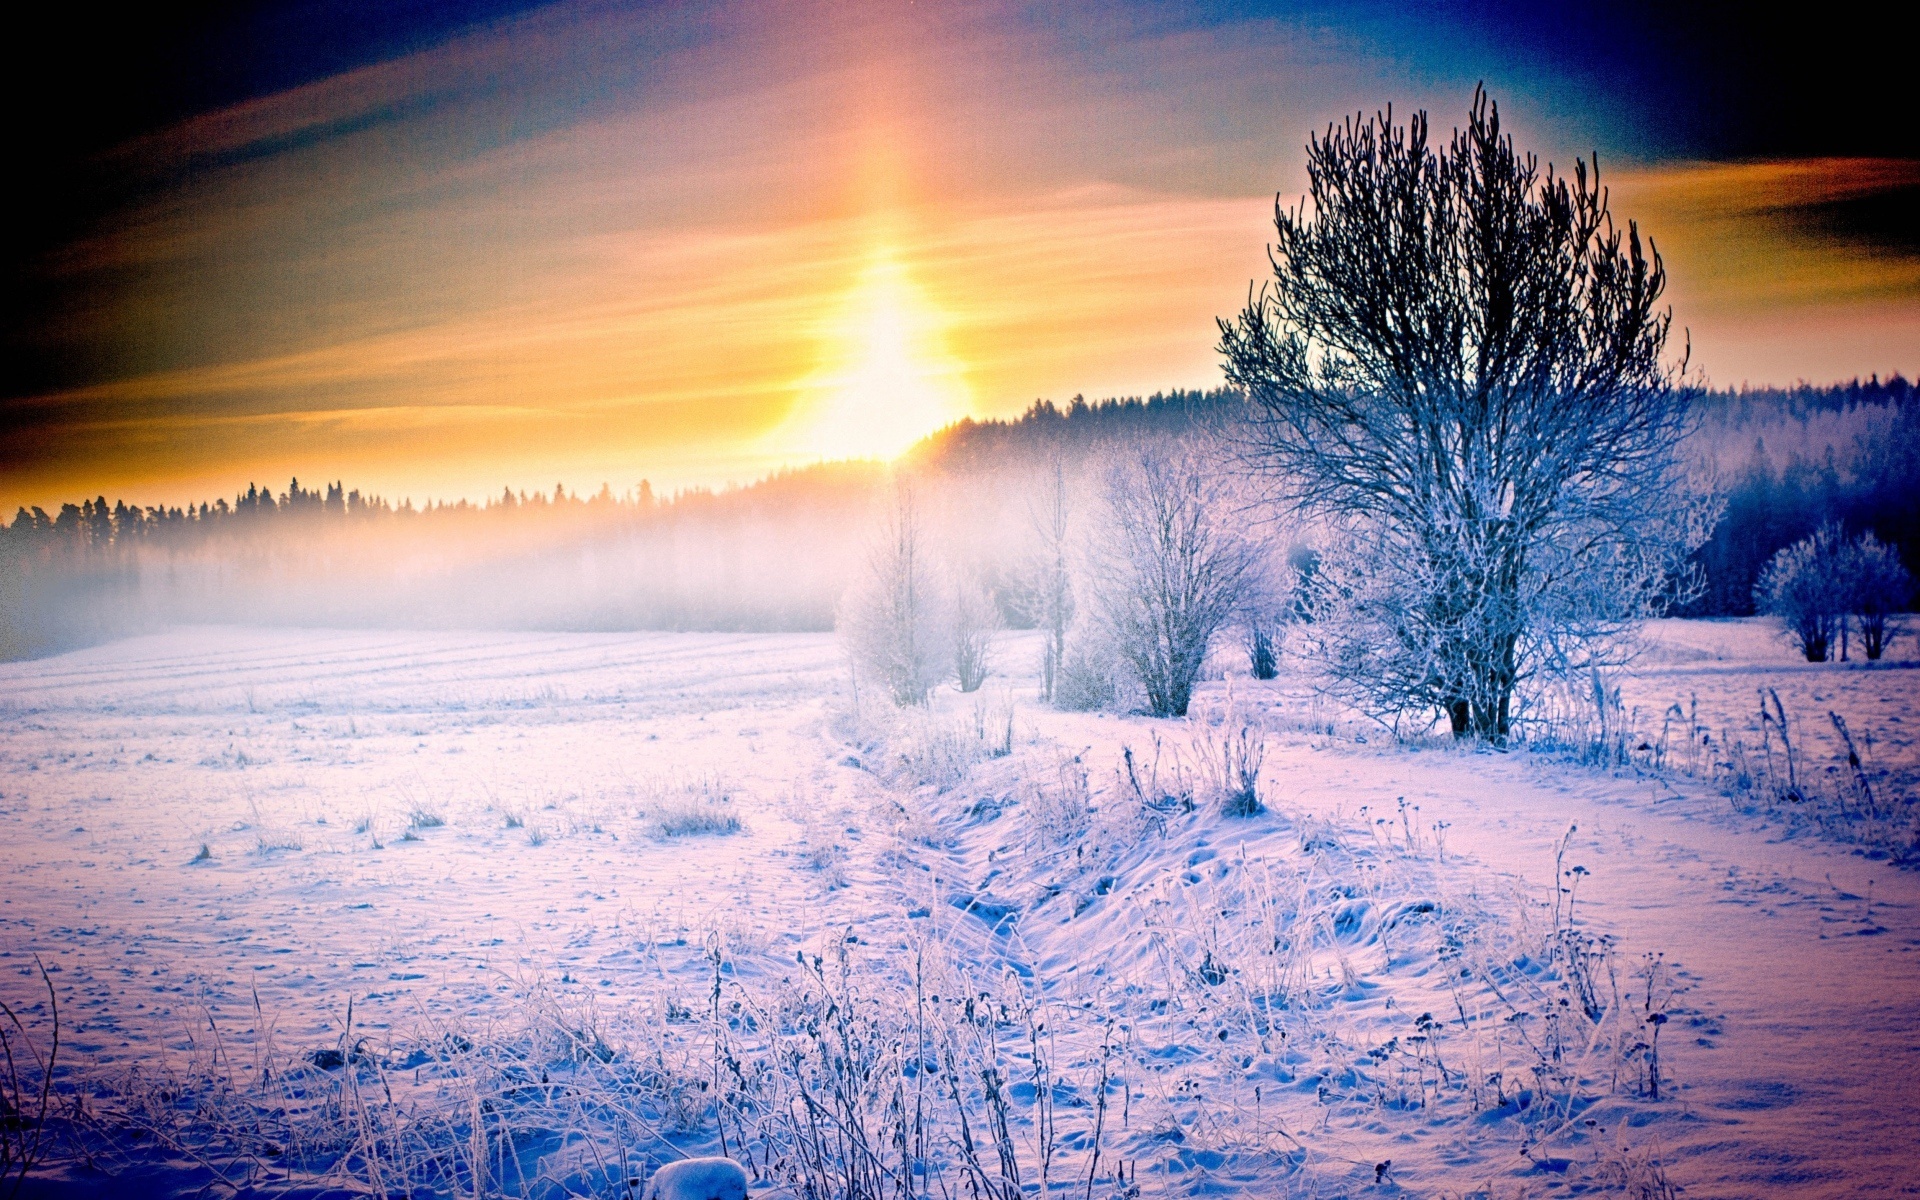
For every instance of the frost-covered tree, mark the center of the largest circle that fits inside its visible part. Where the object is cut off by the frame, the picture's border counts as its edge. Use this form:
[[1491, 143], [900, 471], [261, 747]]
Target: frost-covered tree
[[1049, 571], [890, 618], [1267, 603], [1170, 568], [1458, 368], [972, 620], [1263, 656], [1806, 586], [1879, 586]]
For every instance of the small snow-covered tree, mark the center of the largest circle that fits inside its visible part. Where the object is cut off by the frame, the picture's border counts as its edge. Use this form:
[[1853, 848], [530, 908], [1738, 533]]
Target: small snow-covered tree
[[890, 617], [1092, 673], [1878, 586], [1170, 567], [1263, 647], [1267, 603], [1457, 366], [972, 620], [1806, 586], [1049, 572]]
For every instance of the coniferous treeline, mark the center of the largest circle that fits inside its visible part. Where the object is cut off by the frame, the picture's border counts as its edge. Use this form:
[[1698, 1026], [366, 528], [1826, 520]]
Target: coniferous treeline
[[776, 554], [95, 525]]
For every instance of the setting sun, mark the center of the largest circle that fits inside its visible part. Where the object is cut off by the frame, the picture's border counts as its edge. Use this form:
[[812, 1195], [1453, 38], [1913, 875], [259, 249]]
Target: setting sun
[[887, 378]]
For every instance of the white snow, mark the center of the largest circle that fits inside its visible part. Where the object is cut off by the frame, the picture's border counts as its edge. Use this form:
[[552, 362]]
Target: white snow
[[450, 830]]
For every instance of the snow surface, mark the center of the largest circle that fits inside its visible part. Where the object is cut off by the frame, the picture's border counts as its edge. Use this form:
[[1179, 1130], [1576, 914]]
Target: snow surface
[[432, 826]]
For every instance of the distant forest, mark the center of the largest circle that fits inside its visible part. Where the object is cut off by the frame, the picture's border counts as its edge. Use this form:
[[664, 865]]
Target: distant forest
[[1789, 459], [776, 554]]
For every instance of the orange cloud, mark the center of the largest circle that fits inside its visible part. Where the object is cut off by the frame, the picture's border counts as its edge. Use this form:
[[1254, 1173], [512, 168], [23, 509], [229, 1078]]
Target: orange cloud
[[1771, 290]]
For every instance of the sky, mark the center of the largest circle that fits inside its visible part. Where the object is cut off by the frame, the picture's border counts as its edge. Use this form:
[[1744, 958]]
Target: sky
[[436, 249]]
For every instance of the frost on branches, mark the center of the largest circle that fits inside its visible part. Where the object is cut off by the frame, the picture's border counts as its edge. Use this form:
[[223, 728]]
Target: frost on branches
[[1457, 368]]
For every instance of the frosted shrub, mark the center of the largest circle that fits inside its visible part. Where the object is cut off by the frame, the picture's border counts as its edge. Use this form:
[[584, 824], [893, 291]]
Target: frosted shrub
[[1172, 568], [1805, 586], [1090, 673], [1262, 649], [1878, 586], [973, 620]]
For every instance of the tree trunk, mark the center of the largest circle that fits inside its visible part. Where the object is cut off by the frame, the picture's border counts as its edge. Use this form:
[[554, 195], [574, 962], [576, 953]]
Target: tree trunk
[[1873, 636]]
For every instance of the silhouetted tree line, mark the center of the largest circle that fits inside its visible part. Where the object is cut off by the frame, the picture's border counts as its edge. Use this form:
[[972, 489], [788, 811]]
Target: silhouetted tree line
[[97, 528], [1046, 431]]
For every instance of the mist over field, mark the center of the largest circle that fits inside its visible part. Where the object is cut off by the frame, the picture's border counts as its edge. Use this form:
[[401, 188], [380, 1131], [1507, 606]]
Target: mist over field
[[777, 554]]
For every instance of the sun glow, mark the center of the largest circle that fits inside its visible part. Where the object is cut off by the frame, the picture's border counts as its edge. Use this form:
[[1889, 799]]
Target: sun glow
[[887, 378]]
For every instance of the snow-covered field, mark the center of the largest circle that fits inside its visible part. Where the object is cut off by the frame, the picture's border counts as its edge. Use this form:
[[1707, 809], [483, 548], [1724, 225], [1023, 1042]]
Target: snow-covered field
[[573, 887]]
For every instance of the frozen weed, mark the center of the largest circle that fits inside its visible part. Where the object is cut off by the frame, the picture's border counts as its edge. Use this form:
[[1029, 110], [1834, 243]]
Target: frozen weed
[[1764, 766], [689, 808], [27, 1097], [1055, 809], [1230, 755], [1633, 1172], [825, 854], [1159, 784], [930, 750], [821, 846], [927, 747], [908, 821], [993, 725]]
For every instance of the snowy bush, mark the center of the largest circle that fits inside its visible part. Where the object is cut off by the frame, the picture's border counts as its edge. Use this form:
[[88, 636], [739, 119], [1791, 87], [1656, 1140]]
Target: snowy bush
[[1806, 587], [972, 619], [1878, 586], [1263, 653], [1171, 567], [1090, 675]]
